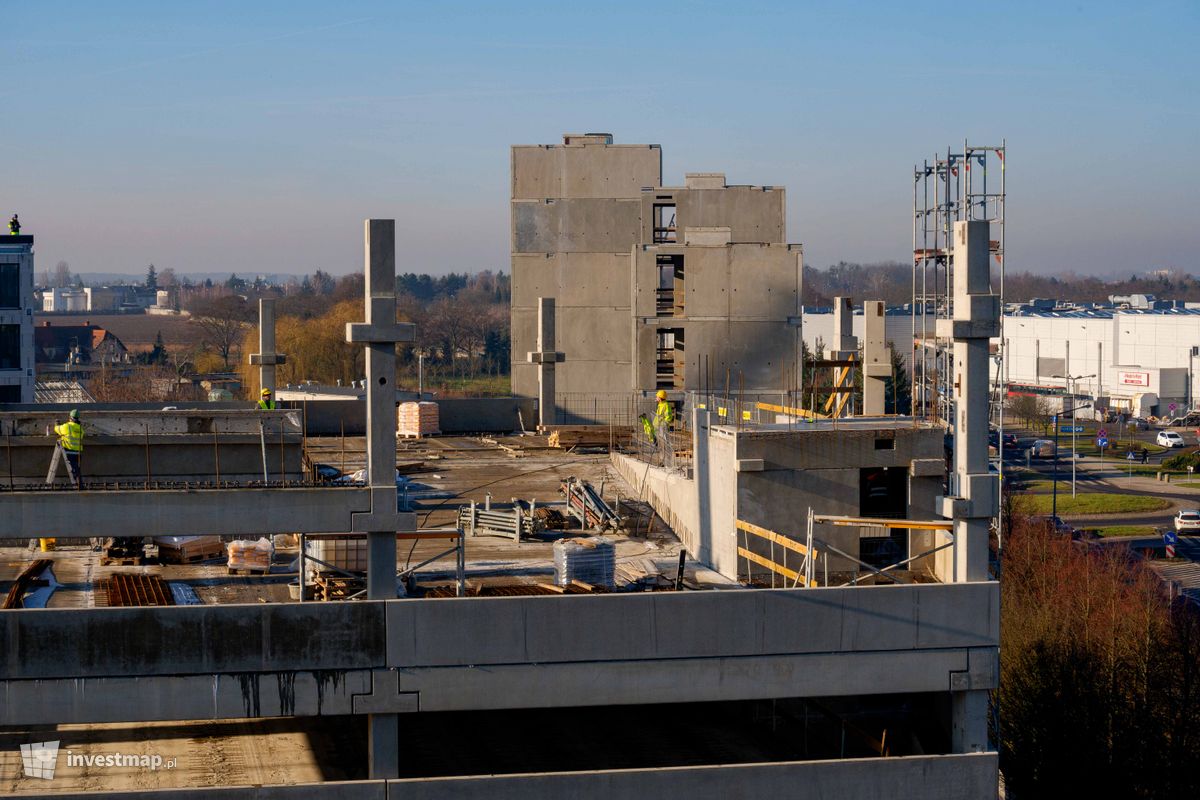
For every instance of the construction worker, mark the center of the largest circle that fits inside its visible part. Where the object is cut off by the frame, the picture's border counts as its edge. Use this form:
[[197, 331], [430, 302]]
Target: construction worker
[[68, 448], [265, 402], [664, 415], [648, 428], [14, 226]]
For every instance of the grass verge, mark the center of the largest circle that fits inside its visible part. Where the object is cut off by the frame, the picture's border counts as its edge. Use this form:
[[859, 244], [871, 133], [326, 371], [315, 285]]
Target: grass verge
[[1124, 530], [1091, 503]]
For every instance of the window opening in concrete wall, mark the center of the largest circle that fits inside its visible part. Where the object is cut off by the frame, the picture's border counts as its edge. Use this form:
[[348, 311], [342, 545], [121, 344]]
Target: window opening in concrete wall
[[10, 346], [669, 293], [885, 444], [664, 223], [883, 492], [10, 394], [10, 285], [670, 359]]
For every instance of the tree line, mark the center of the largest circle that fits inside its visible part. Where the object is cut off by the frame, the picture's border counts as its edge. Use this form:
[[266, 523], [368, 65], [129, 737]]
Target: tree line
[[1099, 673]]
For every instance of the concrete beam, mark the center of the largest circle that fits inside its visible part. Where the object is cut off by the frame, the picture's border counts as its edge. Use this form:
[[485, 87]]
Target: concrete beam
[[181, 512], [478, 653], [929, 777]]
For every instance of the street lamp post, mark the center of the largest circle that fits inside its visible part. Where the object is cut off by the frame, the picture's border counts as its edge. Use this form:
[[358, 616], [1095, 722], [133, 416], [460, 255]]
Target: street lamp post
[[1072, 382]]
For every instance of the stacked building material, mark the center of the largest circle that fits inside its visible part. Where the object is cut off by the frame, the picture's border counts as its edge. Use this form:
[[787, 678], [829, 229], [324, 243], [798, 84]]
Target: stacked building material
[[253, 556], [567, 436], [417, 419], [188, 549], [587, 559]]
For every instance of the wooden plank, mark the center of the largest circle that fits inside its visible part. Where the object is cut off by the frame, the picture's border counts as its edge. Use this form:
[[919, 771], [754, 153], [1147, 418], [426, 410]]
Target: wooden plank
[[783, 541], [550, 587], [790, 410], [915, 524], [771, 565]]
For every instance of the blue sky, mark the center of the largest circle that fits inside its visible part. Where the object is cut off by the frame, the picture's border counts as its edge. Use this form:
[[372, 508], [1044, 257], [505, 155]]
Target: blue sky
[[255, 137]]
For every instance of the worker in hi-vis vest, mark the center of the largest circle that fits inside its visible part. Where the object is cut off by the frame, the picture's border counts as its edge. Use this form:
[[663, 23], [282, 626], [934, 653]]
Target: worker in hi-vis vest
[[265, 402], [664, 416], [68, 448], [648, 428]]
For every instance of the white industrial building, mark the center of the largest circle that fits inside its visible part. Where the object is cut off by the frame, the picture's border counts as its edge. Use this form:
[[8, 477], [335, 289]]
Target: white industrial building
[[1133, 360]]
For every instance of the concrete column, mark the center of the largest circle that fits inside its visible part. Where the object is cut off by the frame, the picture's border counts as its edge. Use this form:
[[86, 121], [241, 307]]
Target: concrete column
[[976, 320], [266, 359], [975, 493], [379, 334], [877, 358], [545, 357], [968, 721]]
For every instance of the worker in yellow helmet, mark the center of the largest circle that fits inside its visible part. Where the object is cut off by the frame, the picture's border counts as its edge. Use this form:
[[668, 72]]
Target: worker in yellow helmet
[[68, 448], [664, 416], [266, 402], [14, 226]]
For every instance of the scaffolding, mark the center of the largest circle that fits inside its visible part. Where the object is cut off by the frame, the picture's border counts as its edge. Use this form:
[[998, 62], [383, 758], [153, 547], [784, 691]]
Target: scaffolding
[[954, 186]]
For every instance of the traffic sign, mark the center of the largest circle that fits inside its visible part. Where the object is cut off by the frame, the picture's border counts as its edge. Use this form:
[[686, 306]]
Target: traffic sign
[[1102, 433], [1102, 442], [1072, 429], [1130, 456], [1172, 407], [1170, 537]]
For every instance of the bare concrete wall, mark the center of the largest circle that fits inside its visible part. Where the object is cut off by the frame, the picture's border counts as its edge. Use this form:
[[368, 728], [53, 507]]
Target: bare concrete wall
[[553, 171], [752, 213], [971, 776]]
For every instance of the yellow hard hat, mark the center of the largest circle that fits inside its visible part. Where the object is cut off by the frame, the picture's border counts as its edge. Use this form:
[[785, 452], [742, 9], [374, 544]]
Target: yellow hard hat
[[662, 394], [265, 392]]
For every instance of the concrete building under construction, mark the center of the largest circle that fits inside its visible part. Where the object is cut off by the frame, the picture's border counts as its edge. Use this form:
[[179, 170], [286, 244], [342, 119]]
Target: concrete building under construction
[[790, 606], [655, 287]]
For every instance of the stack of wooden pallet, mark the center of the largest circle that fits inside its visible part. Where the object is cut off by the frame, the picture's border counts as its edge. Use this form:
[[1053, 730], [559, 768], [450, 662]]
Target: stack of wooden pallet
[[568, 436], [417, 419], [188, 549], [337, 587]]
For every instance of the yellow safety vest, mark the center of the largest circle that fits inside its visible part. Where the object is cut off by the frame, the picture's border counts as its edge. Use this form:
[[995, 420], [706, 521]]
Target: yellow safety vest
[[70, 436], [266, 405], [664, 414]]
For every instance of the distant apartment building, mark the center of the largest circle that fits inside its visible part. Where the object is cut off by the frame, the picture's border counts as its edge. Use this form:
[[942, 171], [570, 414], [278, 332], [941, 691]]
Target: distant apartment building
[[655, 287], [16, 319]]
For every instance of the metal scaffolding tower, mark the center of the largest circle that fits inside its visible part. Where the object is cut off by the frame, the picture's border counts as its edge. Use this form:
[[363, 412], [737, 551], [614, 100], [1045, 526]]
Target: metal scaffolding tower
[[954, 187]]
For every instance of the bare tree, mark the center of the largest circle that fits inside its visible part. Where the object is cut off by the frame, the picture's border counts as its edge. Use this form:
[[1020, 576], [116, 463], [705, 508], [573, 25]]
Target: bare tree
[[62, 275], [223, 322]]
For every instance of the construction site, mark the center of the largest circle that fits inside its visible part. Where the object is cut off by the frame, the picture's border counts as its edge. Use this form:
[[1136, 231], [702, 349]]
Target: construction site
[[681, 560]]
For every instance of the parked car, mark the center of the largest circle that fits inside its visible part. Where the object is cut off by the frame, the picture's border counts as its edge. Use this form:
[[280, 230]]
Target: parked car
[[1054, 523], [1188, 520], [1169, 439]]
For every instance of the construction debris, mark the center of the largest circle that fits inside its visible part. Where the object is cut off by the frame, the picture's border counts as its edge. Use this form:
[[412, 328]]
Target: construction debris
[[38, 575], [568, 436]]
